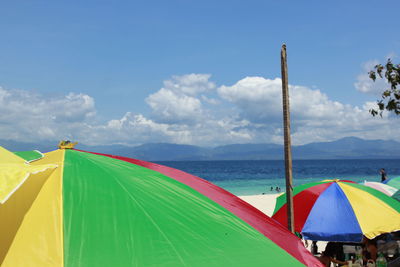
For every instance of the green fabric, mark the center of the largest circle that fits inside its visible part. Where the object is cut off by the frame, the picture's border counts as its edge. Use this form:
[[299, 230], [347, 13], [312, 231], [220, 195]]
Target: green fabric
[[281, 200], [378, 194], [29, 155], [120, 214]]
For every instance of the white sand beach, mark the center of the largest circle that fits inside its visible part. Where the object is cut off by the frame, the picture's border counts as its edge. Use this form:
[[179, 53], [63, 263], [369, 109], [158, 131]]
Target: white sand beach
[[265, 203]]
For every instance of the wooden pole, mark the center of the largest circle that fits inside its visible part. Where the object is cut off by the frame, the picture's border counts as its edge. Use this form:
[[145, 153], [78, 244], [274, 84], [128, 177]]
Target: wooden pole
[[287, 141]]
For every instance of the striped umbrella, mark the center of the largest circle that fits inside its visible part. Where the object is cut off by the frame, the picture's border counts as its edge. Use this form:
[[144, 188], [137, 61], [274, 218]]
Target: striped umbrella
[[396, 195], [384, 188], [103, 210], [338, 210], [394, 182]]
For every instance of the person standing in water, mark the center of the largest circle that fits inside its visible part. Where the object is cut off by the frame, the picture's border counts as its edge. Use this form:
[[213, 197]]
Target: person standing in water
[[383, 175]]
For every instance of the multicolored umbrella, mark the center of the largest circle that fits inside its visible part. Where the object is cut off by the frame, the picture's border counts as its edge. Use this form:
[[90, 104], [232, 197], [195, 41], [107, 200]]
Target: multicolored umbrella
[[14, 171], [384, 188], [334, 210], [396, 195], [394, 182], [103, 210]]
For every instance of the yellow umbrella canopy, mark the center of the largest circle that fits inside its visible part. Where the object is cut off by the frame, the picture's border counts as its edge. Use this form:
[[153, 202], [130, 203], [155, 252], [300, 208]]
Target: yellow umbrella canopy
[[14, 171]]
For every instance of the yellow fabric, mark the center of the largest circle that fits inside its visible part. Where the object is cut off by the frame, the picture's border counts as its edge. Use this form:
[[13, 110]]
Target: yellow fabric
[[9, 157], [32, 234], [14, 171], [374, 216]]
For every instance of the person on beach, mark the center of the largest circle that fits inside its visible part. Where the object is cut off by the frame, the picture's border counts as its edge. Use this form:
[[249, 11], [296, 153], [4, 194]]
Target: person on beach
[[314, 248], [383, 175], [327, 256], [370, 249]]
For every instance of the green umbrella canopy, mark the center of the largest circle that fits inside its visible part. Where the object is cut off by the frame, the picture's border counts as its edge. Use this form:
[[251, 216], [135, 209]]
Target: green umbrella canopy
[[103, 210]]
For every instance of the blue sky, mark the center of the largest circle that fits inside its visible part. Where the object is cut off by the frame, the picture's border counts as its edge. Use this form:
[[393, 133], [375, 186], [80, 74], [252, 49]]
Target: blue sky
[[107, 62]]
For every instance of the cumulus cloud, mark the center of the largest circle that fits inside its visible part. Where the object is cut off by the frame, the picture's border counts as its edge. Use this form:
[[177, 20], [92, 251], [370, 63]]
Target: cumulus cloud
[[314, 116], [137, 129], [172, 107], [177, 101], [190, 84], [25, 115], [190, 109], [260, 100]]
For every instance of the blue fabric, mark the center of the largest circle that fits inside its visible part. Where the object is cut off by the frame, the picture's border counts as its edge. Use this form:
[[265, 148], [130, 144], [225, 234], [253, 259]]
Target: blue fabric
[[332, 218]]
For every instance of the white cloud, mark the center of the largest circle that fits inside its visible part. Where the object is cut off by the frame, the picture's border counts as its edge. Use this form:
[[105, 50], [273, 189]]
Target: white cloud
[[137, 129], [314, 116], [171, 107], [25, 115], [133, 129], [190, 84], [187, 111], [178, 101], [260, 99]]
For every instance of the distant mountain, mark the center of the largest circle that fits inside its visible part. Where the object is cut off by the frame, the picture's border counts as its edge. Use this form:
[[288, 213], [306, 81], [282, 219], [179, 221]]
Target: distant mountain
[[248, 152], [345, 148], [349, 148]]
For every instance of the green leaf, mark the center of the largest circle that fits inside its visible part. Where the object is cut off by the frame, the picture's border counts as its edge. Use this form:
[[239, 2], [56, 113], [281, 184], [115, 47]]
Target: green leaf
[[390, 98], [379, 68], [386, 93], [372, 75], [373, 112], [391, 105]]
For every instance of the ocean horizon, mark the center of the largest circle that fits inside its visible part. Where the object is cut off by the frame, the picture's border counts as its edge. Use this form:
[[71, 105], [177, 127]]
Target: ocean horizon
[[254, 177]]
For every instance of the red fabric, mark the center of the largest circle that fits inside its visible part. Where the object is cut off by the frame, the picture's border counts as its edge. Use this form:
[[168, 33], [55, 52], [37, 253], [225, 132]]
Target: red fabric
[[261, 222], [347, 181], [303, 203]]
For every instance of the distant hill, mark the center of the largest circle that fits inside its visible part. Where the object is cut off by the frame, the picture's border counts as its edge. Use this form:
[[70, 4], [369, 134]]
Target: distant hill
[[349, 148], [345, 148], [247, 152]]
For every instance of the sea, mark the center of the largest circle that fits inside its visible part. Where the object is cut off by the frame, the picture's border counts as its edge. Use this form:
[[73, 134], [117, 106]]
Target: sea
[[254, 177]]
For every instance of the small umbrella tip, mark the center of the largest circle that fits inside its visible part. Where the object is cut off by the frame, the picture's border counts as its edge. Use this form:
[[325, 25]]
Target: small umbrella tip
[[66, 144]]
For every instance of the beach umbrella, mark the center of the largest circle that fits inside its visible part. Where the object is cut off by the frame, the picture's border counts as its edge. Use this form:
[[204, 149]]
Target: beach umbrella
[[384, 188], [87, 209], [396, 195], [394, 182], [14, 171], [338, 210]]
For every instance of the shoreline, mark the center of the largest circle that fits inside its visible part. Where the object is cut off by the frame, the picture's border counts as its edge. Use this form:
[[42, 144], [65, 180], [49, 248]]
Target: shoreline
[[265, 203]]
